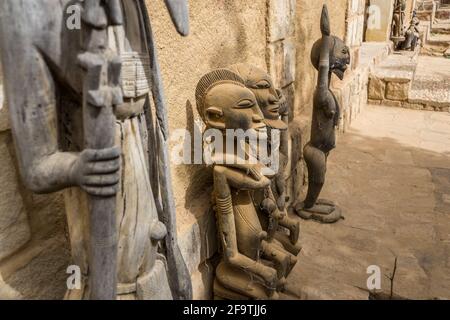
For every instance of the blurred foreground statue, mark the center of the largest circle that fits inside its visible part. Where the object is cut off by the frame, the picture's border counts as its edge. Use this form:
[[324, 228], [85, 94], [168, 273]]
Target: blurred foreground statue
[[79, 101], [329, 55]]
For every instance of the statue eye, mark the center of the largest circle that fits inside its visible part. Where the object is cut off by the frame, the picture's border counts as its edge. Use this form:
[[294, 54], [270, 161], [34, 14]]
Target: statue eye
[[245, 104], [263, 84]]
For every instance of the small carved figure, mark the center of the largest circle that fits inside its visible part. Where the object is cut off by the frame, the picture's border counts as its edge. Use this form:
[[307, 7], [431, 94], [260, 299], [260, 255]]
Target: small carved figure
[[329, 55], [411, 35], [251, 267], [398, 22], [81, 121]]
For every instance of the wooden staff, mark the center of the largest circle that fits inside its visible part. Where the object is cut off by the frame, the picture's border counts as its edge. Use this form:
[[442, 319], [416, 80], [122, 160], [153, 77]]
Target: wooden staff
[[101, 91]]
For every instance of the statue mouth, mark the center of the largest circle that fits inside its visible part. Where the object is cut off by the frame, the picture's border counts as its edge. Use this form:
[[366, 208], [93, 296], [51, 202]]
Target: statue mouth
[[261, 127], [340, 72], [339, 67], [274, 109]]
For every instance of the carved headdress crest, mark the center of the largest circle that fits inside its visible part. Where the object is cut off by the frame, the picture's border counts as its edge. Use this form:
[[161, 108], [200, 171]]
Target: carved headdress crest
[[209, 81], [325, 22]]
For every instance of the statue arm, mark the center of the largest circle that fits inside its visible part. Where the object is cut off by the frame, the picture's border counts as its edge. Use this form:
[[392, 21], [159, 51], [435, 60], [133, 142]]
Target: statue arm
[[246, 176], [32, 105], [280, 179], [322, 94], [225, 216], [33, 112], [324, 66]]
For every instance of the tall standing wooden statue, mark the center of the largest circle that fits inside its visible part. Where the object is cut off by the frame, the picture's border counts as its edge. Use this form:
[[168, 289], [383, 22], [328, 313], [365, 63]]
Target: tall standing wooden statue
[[329, 55], [79, 101]]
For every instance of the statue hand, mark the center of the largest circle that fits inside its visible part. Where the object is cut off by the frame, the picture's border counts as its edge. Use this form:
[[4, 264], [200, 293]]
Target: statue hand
[[268, 206], [97, 171], [271, 277], [281, 201]]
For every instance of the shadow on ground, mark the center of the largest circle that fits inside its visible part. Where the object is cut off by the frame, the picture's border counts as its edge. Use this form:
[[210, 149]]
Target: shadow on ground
[[396, 202]]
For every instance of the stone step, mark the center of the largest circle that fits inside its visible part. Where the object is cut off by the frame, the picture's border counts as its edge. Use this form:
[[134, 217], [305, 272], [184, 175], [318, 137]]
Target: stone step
[[447, 53], [431, 84], [425, 15], [437, 28], [443, 13], [441, 27], [391, 80], [414, 82]]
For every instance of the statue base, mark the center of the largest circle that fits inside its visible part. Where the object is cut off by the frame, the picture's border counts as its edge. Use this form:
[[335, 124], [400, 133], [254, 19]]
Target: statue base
[[323, 211], [233, 284], [397, 40]]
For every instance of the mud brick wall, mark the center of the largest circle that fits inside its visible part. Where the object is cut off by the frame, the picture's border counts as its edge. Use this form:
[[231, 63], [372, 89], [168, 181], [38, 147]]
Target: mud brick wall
[[281, 49], [274, 34]]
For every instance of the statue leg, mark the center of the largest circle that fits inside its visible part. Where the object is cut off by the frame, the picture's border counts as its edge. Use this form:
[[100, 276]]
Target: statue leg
[[414, 42], [323, 210], [293, 226], [316, 161], [288, 245], [283, 260], [405, 45], [396, 26]]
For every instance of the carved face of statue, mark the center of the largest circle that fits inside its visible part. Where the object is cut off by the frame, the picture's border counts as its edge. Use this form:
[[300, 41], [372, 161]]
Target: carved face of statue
[[269, 99], [231, 106], [339, 57], [332, 46]]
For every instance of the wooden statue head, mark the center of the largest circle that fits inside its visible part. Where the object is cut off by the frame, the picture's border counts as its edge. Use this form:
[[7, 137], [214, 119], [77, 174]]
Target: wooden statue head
[[224, 102], [330, 47], [268, 97]]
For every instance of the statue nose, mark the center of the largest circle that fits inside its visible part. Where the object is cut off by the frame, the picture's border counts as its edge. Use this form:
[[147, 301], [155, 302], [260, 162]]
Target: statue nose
[[258, 117], [273, 99]]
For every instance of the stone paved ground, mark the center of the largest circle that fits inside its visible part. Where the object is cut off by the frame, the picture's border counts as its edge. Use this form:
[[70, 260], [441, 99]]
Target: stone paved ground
[[391, 176], [431, 80]]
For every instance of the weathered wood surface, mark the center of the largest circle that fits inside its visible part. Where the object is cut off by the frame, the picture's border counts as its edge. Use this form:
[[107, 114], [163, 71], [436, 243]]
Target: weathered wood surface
[[40, 55]]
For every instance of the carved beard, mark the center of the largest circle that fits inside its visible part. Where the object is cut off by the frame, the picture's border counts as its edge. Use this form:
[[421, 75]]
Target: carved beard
[[338, 67]]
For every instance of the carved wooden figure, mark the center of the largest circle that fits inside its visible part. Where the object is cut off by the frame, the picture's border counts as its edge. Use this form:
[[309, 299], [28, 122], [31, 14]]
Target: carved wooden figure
[[81, 121], [411, 35], [275, 111], [398, 22], [251, 266], [329, 55]]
